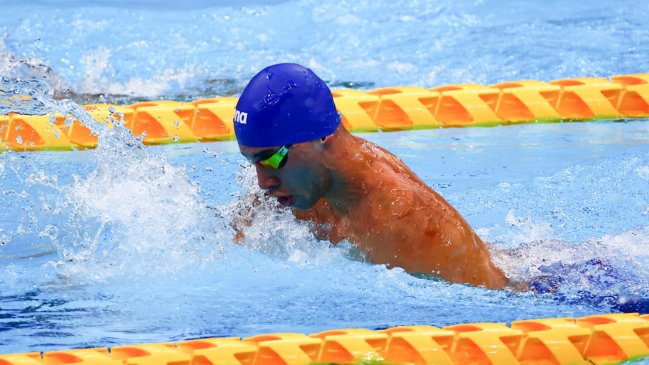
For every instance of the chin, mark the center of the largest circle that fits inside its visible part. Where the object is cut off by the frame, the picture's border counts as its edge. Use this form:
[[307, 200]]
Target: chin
[[299, 206], [302, 204]]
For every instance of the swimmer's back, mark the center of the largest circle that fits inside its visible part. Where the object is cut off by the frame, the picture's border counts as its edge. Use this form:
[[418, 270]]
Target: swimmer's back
[[401, 222]]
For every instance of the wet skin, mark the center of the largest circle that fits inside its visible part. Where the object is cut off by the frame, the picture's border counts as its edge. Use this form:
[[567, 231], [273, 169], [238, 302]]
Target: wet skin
[[353, 189]]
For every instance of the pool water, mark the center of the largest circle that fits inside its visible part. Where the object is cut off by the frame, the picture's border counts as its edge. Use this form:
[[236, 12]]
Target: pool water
[[126, 244]]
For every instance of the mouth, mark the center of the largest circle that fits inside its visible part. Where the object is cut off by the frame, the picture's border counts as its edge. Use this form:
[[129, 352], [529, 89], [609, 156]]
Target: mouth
[[286, 201]]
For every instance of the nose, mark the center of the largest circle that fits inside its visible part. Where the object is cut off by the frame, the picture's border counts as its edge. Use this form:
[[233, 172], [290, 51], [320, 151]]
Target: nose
[[266, 180]]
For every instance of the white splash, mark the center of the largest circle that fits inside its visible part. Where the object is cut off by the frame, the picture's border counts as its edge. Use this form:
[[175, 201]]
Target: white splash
[[98, 70], [135, 213], [274, 231]]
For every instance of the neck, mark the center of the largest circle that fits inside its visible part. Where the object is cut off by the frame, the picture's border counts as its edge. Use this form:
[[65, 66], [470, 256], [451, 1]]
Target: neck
[[346, 164]]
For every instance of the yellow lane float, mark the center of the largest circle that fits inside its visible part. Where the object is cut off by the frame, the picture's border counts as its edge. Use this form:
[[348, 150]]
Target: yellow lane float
[[387, 109], [598, 339]]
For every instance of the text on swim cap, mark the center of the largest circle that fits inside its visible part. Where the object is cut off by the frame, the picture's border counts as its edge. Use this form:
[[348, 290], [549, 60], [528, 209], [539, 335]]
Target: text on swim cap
[[240, 117]]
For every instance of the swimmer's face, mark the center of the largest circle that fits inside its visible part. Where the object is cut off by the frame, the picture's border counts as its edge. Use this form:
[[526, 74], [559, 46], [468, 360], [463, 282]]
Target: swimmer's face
[[299, 182]]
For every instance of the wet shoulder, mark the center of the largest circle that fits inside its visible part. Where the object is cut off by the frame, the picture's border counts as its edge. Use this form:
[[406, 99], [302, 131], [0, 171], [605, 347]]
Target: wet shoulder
[[394, 195]]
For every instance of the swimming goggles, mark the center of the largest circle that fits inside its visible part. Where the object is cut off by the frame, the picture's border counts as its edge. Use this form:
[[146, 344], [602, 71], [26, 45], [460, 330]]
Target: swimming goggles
[[276, 160]]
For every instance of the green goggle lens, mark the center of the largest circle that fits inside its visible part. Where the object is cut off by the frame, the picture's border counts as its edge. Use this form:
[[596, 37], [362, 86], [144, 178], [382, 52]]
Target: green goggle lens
[[276, 160]]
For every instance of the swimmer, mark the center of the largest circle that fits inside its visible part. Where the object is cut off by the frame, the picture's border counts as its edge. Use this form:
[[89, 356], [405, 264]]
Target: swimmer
[[287, 125]]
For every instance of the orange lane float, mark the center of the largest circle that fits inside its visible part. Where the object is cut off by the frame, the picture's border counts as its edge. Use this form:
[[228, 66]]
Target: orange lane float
[[598, 339], [387, 109]]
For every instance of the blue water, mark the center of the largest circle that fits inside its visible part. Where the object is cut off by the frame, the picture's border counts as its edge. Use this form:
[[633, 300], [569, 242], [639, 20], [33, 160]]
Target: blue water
[[161, 48], [126, 244]]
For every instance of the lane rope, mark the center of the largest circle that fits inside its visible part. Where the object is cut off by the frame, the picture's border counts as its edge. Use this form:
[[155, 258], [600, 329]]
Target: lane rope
[[385, 109], [598, 339]]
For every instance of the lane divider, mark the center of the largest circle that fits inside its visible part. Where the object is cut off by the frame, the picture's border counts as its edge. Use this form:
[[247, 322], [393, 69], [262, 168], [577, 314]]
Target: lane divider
[[598, 339], [388, 109]]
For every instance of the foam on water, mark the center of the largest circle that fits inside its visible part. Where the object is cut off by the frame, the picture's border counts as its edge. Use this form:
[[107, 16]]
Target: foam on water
[[133, 204]]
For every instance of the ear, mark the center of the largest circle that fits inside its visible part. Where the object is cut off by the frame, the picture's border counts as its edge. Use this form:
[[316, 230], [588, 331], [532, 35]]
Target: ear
[[323, 142], [325, 139]]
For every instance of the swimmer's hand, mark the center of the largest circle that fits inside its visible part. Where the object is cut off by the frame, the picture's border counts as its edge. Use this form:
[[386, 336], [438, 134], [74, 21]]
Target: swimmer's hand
[[243, 217], [241, 221], [238, 236]]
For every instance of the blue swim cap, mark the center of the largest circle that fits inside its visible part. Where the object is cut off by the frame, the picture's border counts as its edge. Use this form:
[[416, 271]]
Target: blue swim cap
[[284, 104]]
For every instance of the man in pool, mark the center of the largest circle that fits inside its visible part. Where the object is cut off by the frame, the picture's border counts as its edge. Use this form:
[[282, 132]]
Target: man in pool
[[287, 125]]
